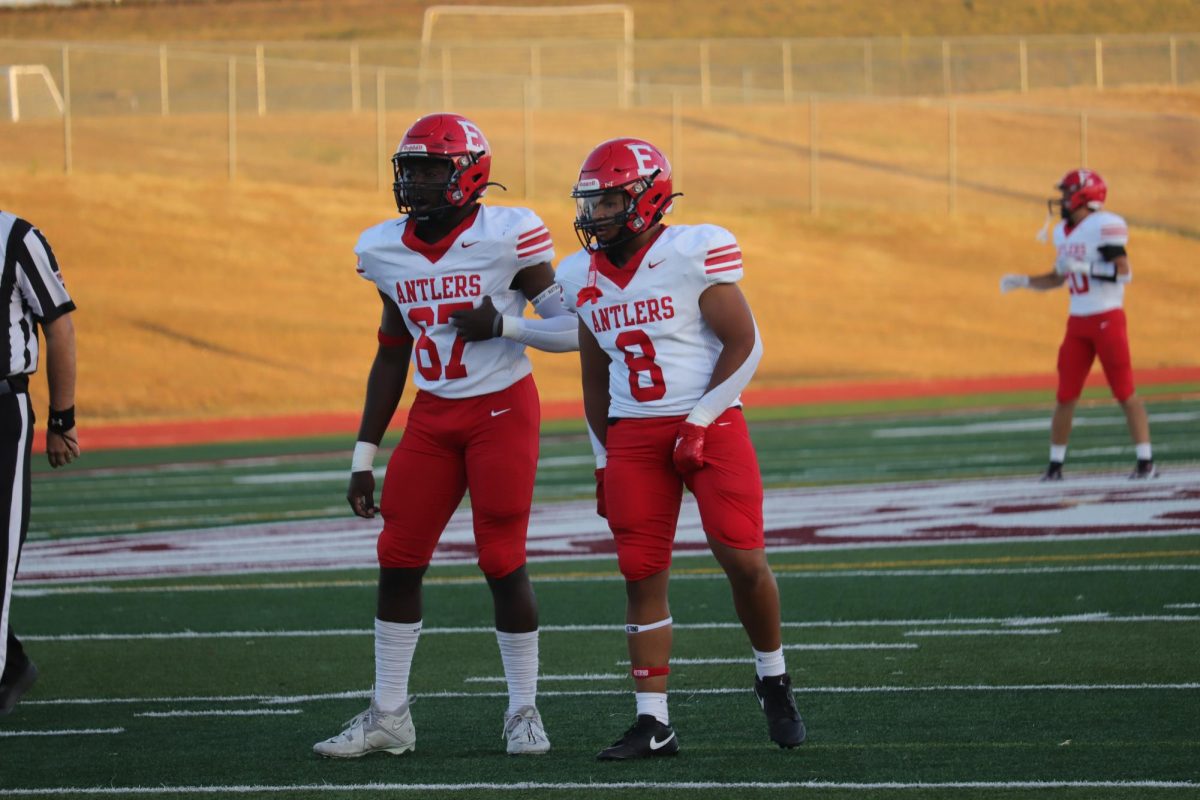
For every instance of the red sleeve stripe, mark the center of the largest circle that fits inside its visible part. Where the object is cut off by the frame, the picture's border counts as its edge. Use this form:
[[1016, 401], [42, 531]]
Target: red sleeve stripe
[[524, 237], [545, 237], [393, 341], [736, 255], [533, 251], [1113, 231], [738, 265], [724, 249]]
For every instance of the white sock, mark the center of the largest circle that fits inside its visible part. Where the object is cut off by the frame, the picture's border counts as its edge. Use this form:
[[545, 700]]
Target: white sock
[[769, 664], [395, 643], [654, 704], [519, 652], [1143, 452], [1058, 453]]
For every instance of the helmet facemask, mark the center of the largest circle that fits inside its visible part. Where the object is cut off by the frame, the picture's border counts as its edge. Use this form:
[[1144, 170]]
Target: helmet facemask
[[423, 191], [595, 211]]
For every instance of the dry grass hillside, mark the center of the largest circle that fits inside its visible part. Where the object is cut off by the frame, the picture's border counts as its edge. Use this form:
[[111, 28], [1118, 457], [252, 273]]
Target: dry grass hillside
[[373, 19], [199, 298]]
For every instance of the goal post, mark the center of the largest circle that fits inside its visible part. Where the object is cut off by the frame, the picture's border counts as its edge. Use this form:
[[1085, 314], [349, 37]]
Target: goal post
[[447, 26], [12, 74]]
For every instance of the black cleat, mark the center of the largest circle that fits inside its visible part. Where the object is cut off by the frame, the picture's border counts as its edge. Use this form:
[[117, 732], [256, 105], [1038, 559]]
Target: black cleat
[[21, 682], [648, 738], [783, 720], [1144, 470], [1053, 472]]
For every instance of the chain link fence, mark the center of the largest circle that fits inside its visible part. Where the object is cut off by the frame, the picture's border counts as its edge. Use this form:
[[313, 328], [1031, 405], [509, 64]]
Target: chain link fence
[[819, 124]]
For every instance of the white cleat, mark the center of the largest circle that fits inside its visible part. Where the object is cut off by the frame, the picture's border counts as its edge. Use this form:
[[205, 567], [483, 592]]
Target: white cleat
[[372, 731], [525, 733]]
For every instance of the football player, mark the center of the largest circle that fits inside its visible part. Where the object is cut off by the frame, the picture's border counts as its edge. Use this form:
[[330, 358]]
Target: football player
[[453, 275], [667, 343], [1091, 260]]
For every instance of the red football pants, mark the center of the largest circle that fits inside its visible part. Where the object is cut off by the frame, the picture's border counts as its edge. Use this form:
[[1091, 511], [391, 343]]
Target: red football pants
[[1102, 335], [487, 445], [643, 492]]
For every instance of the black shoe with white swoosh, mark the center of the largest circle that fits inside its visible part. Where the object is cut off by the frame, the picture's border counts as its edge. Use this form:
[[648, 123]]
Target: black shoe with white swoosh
[[648, 738], [784, 725]]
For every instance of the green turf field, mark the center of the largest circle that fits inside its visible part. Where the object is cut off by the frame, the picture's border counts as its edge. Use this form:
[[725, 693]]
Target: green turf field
[[182, 487], [1040, 668]]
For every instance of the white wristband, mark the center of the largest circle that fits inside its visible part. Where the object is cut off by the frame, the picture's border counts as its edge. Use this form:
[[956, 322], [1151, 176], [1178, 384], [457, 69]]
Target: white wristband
[[363, 459]]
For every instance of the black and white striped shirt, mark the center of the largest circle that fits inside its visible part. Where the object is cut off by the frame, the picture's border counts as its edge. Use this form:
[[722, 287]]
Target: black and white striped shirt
[[32, 291]]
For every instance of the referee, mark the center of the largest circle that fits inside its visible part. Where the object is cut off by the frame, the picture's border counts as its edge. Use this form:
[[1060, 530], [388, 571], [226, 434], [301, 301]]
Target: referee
[[32, 294]]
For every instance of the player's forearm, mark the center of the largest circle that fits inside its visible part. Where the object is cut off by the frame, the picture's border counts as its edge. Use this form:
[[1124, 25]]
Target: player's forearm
[[60, 362], [385, 385], [1041, 283], [732, 372]]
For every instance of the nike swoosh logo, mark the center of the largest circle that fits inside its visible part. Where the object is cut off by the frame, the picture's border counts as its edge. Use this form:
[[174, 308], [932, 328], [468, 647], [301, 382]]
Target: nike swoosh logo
[[654, 264], [470, 244], [501, 411], [655, 744]]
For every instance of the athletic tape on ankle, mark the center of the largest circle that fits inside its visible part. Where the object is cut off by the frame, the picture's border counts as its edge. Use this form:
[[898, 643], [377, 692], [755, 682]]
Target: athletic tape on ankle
[[650, 672], [649, 626]]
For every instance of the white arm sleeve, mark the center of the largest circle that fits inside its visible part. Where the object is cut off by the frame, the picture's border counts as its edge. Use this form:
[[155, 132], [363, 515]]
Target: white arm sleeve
[[721, 396], [556, 332]]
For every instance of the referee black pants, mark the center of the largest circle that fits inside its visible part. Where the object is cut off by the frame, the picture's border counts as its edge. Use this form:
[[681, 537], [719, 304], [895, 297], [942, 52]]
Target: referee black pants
[[16, 443]]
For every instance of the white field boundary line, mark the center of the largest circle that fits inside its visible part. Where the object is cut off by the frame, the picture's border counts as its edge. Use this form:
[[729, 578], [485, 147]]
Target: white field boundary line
[[985, 632], [1093, 618], [529, 786], [63, 732], [1182, 605], [285, 700], [474, 581], [232, 712]]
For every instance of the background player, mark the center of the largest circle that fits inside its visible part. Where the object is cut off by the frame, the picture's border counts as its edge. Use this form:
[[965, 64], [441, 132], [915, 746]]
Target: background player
[[667, 343], [1092, 261], [451, 271]]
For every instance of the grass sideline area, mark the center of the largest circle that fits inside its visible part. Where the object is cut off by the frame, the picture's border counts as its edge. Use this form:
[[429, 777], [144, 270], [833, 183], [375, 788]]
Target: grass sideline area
[[170, 488]]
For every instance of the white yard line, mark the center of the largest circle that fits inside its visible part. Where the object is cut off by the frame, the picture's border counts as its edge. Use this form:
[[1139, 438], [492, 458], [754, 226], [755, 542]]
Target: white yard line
[[603, 788], [1093, 618], [286, 700], [232, 712], [474, 581], [62, 732], [986, 632]]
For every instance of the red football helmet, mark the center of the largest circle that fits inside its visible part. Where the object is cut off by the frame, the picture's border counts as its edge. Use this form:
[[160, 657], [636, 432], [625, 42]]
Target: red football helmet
[[636, 169], [449, 139], [1080, 187]]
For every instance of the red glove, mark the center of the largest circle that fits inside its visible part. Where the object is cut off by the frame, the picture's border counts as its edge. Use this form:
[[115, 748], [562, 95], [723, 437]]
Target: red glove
[[689, 448], [601, 509]]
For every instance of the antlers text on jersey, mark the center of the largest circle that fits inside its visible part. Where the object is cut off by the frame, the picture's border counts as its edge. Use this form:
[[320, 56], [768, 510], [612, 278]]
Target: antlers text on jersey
[[639, 312], [444, 287]]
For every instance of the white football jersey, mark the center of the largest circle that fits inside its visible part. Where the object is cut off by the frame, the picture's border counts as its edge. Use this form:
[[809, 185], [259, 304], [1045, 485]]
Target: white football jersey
[[648, 320], [1088, 295], [430, 282]]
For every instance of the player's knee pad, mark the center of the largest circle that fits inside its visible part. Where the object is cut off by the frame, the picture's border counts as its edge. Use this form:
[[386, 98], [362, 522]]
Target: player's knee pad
[[639, 564], [1068, 394], [498, 560], [396, 550]]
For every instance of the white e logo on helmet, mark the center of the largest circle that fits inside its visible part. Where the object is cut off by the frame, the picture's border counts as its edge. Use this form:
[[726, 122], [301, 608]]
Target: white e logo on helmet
[[475, 140], [643, 153]]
